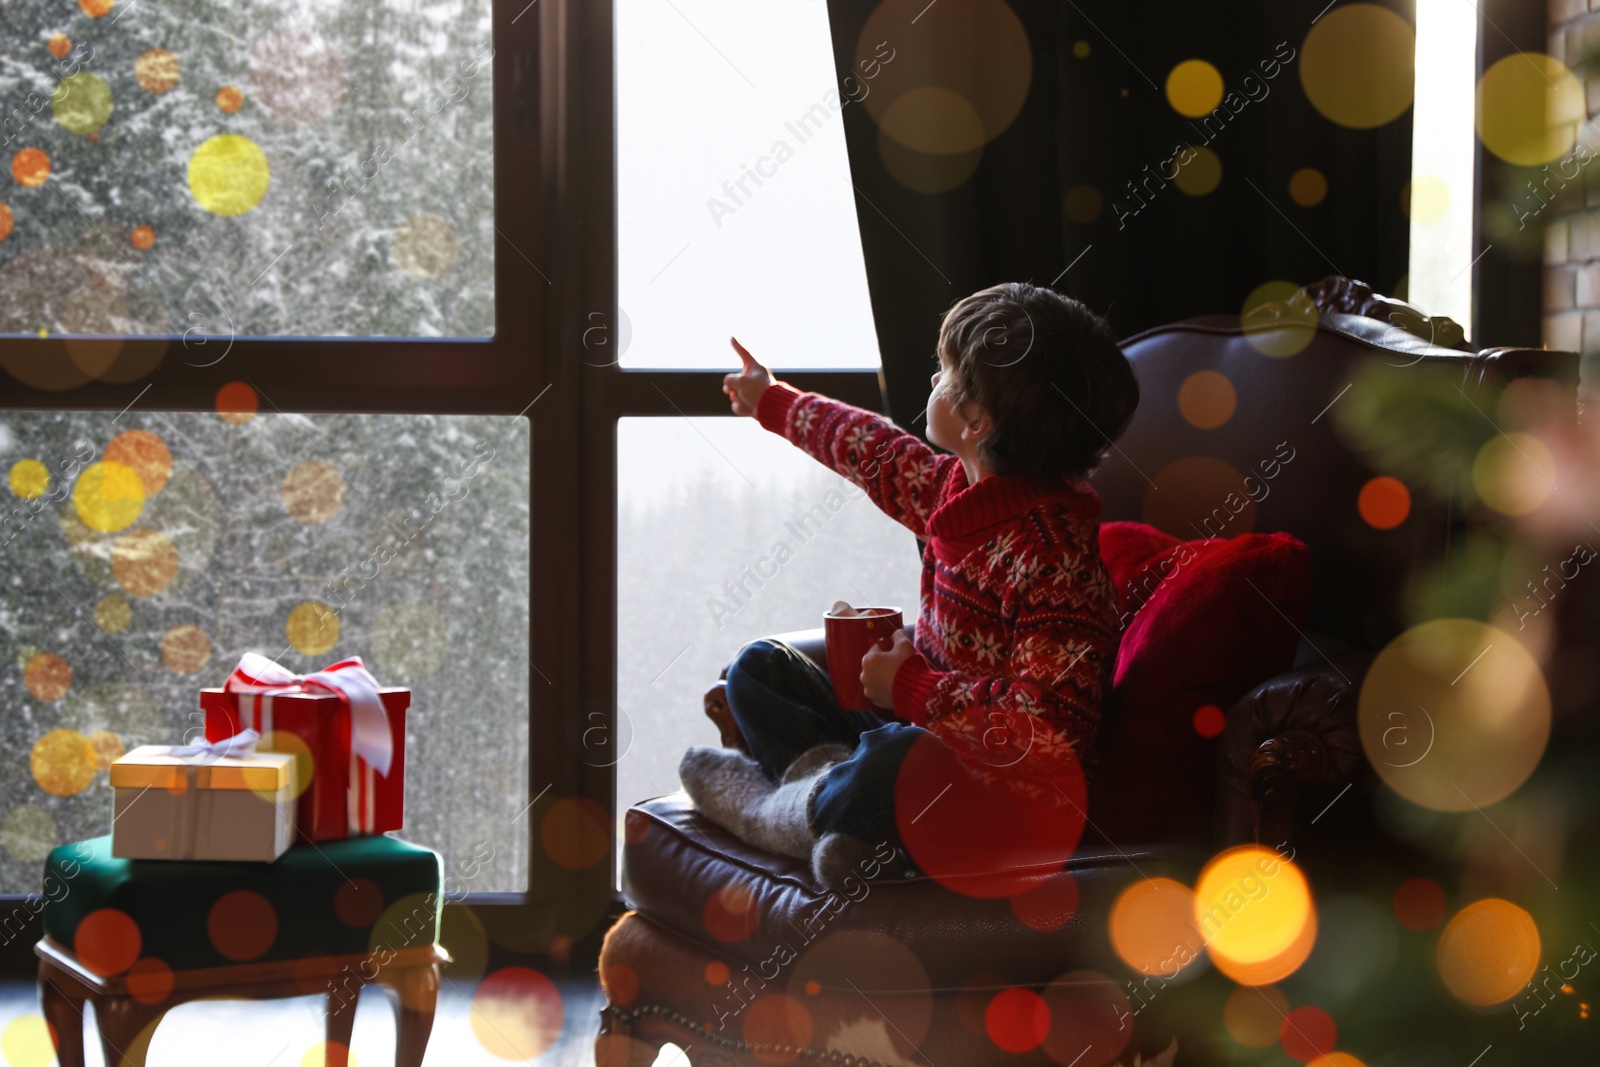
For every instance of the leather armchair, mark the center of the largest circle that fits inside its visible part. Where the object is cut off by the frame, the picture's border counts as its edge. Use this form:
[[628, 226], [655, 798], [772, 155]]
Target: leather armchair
[[908, 969]]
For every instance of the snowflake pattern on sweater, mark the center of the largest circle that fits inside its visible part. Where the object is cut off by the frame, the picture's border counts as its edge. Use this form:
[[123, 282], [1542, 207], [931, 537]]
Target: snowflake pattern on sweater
[[1017, 634]]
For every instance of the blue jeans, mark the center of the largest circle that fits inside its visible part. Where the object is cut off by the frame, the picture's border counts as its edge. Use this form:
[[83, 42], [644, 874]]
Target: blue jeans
[[784, 704]]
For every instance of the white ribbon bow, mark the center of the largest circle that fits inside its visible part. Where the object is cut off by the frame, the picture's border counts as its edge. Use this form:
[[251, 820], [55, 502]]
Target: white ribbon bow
[[242, 743], [370, 737]]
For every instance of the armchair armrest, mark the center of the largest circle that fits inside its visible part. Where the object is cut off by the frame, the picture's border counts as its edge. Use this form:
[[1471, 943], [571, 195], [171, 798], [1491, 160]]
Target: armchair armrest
[[1293, 736]]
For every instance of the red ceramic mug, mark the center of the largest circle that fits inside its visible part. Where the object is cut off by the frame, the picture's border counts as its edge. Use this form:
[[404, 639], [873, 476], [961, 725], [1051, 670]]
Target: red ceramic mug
[[848, 637]]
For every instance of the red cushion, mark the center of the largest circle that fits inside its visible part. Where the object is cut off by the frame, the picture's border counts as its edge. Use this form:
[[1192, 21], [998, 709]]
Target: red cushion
[[1196, 634]]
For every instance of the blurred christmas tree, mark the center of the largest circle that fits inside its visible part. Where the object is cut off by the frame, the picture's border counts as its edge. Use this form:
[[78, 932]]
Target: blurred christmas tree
[[170, 168]]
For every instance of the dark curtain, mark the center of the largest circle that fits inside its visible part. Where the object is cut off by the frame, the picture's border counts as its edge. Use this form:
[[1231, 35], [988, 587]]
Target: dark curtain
[[1073, 192]]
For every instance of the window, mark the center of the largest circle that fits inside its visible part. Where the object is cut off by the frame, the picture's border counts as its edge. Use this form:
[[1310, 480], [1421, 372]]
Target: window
[[735, 210], [146, 553], [305, 168], [735, 216], [1443, 149], [704, 504]]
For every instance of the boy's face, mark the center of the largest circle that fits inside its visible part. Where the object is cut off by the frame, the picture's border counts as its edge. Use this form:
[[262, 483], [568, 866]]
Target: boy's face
[[945, 422]]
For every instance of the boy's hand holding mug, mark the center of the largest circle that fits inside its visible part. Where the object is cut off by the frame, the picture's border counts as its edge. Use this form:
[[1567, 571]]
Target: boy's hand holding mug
[[878, 668], [745, 386]]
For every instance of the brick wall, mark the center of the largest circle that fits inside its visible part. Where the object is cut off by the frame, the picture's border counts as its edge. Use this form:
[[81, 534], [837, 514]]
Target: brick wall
[[1572, 234]]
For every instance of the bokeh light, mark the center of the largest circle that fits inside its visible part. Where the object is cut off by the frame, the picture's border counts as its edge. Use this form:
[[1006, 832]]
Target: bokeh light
[[237, 403], [1192, 494], [27, 1042], [779, 1023], [1425, 199], [59, 44], [1091, 1019], [1209, 720], [229, 99], [969, 77], [312, 628], [156, 71], [185, 649], [409, 641], [1017, 1020], [296, 78], [358, 902], [926, 172], [63, 763], [1357, 65], [144, 562], [1488, 952], [576, 833], [1337, 1059], [1454, 714], [107, 941], [29, 832], [1194, 88], [228, 174], [1308, 187], [146, 454], [242, 925], [730, 914], [1419, 904], [425, 246], [47, 676], [1206, 399], [1254, 910], [1278, 319], [1384, 502], [1307, 1033], [109, 496], [1083, 204], [1514, 473], [517, 1013], [1530, 107], [29, 479], [7, 220], [150, 981], [143, 238], [313, 491], [30, 167], [1201, 174], [1254, 1015], [1152, 927], [81, 102], [113, 614], [96, 8], [108, 748]]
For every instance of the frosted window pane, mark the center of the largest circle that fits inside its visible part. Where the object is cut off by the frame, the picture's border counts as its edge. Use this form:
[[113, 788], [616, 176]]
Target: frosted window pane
[[705, 92], [143, 554], [688, 522], [285, 167]]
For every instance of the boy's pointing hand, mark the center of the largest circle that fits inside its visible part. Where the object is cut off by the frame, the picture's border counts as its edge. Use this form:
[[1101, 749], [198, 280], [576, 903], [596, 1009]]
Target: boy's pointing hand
[[878, 669], [745, 386]]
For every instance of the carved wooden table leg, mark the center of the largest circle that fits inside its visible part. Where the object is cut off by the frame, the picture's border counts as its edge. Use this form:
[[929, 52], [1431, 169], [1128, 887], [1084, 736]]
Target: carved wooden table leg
[[341, 1022], [61, 998], [126, 1026], [415, 993]]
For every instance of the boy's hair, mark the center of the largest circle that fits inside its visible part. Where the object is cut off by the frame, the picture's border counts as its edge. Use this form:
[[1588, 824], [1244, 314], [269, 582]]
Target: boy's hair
[[1048, 371]]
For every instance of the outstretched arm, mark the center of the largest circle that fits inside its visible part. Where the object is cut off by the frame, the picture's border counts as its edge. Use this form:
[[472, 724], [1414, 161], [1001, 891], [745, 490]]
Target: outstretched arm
[[899, 471]]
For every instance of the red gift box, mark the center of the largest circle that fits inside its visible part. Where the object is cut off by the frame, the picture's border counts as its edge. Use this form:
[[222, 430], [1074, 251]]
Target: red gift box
[[354, 728]]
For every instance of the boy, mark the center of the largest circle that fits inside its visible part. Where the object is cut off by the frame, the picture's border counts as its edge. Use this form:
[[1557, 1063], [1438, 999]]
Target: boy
[[1014, 648]]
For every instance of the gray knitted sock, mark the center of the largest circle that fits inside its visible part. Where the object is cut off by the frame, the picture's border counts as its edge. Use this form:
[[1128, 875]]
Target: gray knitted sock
[[729, 788]]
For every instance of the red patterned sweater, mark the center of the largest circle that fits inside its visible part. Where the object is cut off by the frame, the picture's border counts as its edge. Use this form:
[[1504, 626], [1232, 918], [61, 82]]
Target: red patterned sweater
[[1017, 635]]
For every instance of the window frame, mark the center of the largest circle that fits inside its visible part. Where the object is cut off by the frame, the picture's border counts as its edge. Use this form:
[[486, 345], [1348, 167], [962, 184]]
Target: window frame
[[555, 269]]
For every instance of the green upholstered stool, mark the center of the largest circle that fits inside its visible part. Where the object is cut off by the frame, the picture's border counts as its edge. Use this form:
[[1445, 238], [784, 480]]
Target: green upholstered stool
[[138, 937]]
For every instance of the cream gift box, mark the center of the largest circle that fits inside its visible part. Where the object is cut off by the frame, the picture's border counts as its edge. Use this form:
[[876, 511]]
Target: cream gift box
[[222, 801]]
